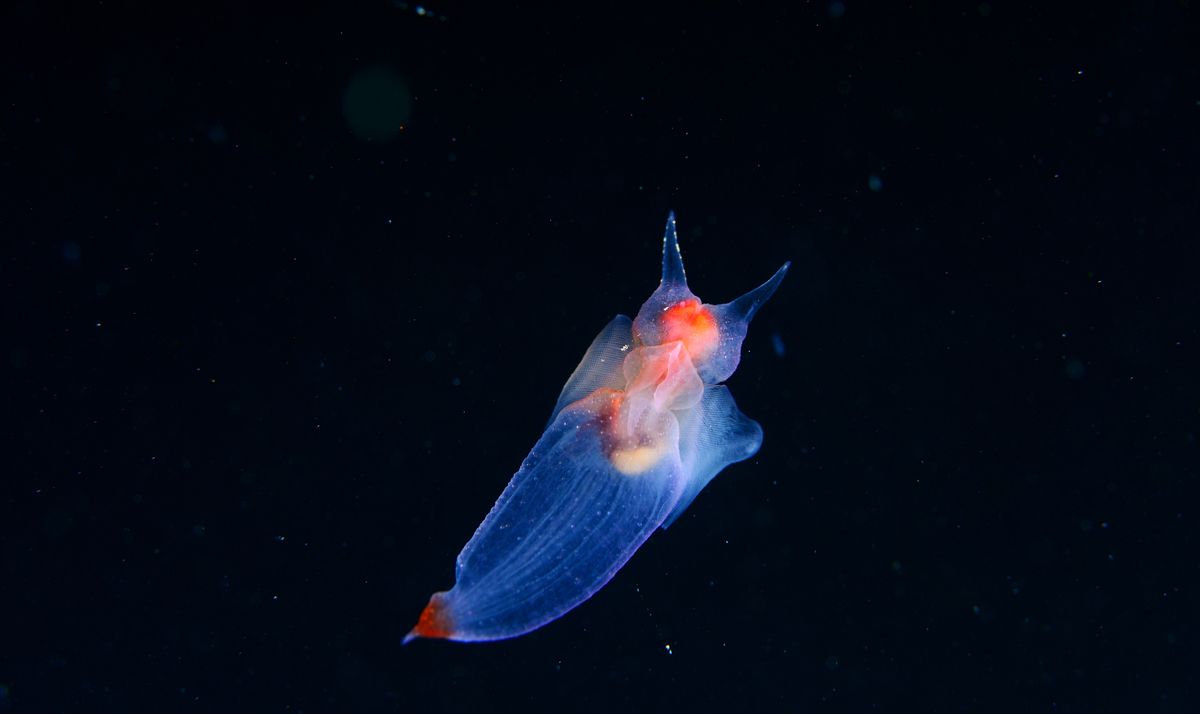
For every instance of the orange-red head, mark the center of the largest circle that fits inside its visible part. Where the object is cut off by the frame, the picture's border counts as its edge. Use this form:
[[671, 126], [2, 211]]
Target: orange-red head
[[712, 334], [692, 323]]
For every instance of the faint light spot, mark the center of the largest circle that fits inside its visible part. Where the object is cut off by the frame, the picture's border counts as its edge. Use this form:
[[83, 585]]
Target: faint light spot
[[984, 9], [198, 530], [777, 344], [18, 358], [377, 104], [71, 251], [430, 355], [419, 10], [56, 523], [455, 382], [1075, 369], [668, 648], [831, 663], [874, 183], [280, 539], [217, 134], [837, 9]]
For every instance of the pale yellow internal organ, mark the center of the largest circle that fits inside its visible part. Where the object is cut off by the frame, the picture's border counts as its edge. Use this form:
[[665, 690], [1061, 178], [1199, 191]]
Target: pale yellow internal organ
[[660, 379], [636, 461]]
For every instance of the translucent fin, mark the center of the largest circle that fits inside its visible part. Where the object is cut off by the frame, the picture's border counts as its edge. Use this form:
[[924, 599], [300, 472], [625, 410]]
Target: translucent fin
[[601, 364], [711, 436]]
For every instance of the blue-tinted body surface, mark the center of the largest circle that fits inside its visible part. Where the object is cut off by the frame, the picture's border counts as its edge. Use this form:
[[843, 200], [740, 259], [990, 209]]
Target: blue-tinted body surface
[[641, 426]]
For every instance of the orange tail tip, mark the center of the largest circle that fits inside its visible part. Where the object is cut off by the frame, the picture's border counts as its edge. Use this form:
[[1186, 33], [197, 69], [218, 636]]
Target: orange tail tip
[[434, 623]]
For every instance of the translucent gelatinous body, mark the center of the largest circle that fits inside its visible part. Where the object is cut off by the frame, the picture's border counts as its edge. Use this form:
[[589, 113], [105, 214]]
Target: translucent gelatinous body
[[641, 426]]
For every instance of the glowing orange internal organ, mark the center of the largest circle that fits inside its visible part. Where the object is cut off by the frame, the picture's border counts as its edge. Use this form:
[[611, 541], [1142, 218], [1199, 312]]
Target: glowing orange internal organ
[[693, 324]]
